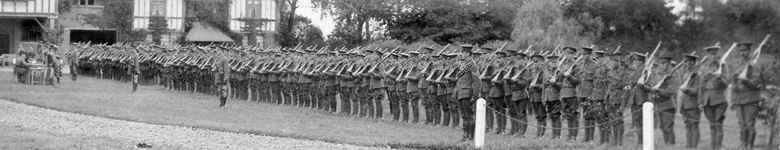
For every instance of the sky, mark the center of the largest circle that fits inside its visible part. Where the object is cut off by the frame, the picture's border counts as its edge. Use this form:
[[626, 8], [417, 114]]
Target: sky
[[326, 23]]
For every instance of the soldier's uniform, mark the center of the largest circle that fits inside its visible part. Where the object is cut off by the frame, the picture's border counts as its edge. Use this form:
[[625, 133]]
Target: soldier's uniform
[[518, 99], [535, 92], [663, 97], [618, 95], [689, 104], [711, 95], [638, 94], [598, 96], [552, 91], [223, 68], [746, 96], [465, 91]]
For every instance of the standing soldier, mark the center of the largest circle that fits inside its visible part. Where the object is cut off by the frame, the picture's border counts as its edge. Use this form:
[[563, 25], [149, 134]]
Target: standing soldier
[[568, 92], [73, 61], [518, 99], [412, 87], [747, 98], [637, 96], [552, 91], [688, 102], [134, 68], [466, 90], [598, 95], [496, 94], [712, 99], [223, 74], [535, 92], [618, 94], [662, 90], [377, 87]]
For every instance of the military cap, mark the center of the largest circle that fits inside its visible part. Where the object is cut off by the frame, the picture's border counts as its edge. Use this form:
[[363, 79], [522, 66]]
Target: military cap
[[600, 52], [553, 56], [523, 55], [404, 55], [414, 53], [716, 47], [394, 55], [467, 48], [368, 50], [450, 55], [360, 55], [487, 49], [428, 49], [747, 45], [691, 56], [512, 51], [378, 52], [503, 54], [665, 56], [587, 49], [537, 56], [573, 50]]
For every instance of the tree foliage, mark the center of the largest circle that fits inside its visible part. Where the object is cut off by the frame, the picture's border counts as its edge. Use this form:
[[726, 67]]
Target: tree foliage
[[542, 23], [117, 15], [303, 32]]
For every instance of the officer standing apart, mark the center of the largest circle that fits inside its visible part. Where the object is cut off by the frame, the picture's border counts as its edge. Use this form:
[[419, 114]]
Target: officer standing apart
[[223, 74], [466, 90]]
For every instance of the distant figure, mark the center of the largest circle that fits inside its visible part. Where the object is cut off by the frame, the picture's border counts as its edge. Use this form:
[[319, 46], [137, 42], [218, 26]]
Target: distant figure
[[223, 74], [21, 66], [134, 69]]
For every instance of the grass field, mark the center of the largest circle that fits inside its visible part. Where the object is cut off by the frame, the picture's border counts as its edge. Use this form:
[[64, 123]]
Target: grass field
[[156, 105]]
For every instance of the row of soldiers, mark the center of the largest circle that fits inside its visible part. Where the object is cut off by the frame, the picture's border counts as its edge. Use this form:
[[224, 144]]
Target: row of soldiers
[[586, 85]]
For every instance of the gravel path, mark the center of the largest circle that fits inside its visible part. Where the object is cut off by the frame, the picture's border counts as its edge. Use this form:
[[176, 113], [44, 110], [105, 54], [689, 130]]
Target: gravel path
[[78, 125]]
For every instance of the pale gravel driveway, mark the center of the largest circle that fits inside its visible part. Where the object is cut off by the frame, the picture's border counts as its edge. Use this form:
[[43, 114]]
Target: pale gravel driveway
[[78, 125]]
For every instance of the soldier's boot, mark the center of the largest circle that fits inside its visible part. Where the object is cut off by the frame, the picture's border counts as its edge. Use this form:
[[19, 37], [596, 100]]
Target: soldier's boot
[[514, 127], [617, 136], [366, 109], [541, 129], [575, 123], [604, 134], [588, 133], [405, 110], [394, 110], [435, 115], [445, 120], [379, 108], [455, 117], [501, 121], [415, 104], [371, 108], [556, 123], [333, 104], [488, 120], [751, 138]]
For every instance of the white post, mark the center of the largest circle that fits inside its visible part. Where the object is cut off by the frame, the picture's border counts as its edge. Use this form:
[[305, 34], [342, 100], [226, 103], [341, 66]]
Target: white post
[[647, 126], [479, 128]]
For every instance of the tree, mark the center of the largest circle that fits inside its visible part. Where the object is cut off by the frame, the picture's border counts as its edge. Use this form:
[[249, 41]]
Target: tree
[[117, 15], [158, 25], [542, 23], [304, 32], [287, 22]]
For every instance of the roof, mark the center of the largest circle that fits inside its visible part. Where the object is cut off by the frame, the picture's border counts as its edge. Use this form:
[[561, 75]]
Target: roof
[[205, 33]]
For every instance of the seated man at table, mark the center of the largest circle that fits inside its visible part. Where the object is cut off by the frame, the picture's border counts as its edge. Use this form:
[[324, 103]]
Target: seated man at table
[[22, 64]]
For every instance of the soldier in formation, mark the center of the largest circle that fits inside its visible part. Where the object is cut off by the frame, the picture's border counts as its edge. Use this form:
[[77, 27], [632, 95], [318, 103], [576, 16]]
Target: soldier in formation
[[589, 85]]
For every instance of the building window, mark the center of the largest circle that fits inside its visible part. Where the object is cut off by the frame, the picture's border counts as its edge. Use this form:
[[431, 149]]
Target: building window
[[31, 31], [157, 7], [86, 2], [253, 9]]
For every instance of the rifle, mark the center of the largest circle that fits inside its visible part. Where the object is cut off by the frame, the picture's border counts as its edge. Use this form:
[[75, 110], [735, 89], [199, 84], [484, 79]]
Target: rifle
[[722, 61], [648, 66], [692, 73], [753, 58], [663, 79]]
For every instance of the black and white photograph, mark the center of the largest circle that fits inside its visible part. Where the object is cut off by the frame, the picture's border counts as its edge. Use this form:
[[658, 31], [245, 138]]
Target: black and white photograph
[[389, 74]]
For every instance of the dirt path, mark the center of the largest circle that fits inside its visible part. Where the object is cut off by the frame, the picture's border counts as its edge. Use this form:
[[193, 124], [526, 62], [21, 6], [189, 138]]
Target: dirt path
[[29, 127]]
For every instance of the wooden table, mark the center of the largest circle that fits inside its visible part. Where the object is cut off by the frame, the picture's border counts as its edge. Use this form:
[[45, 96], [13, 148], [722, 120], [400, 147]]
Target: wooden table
[[39, 74]]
